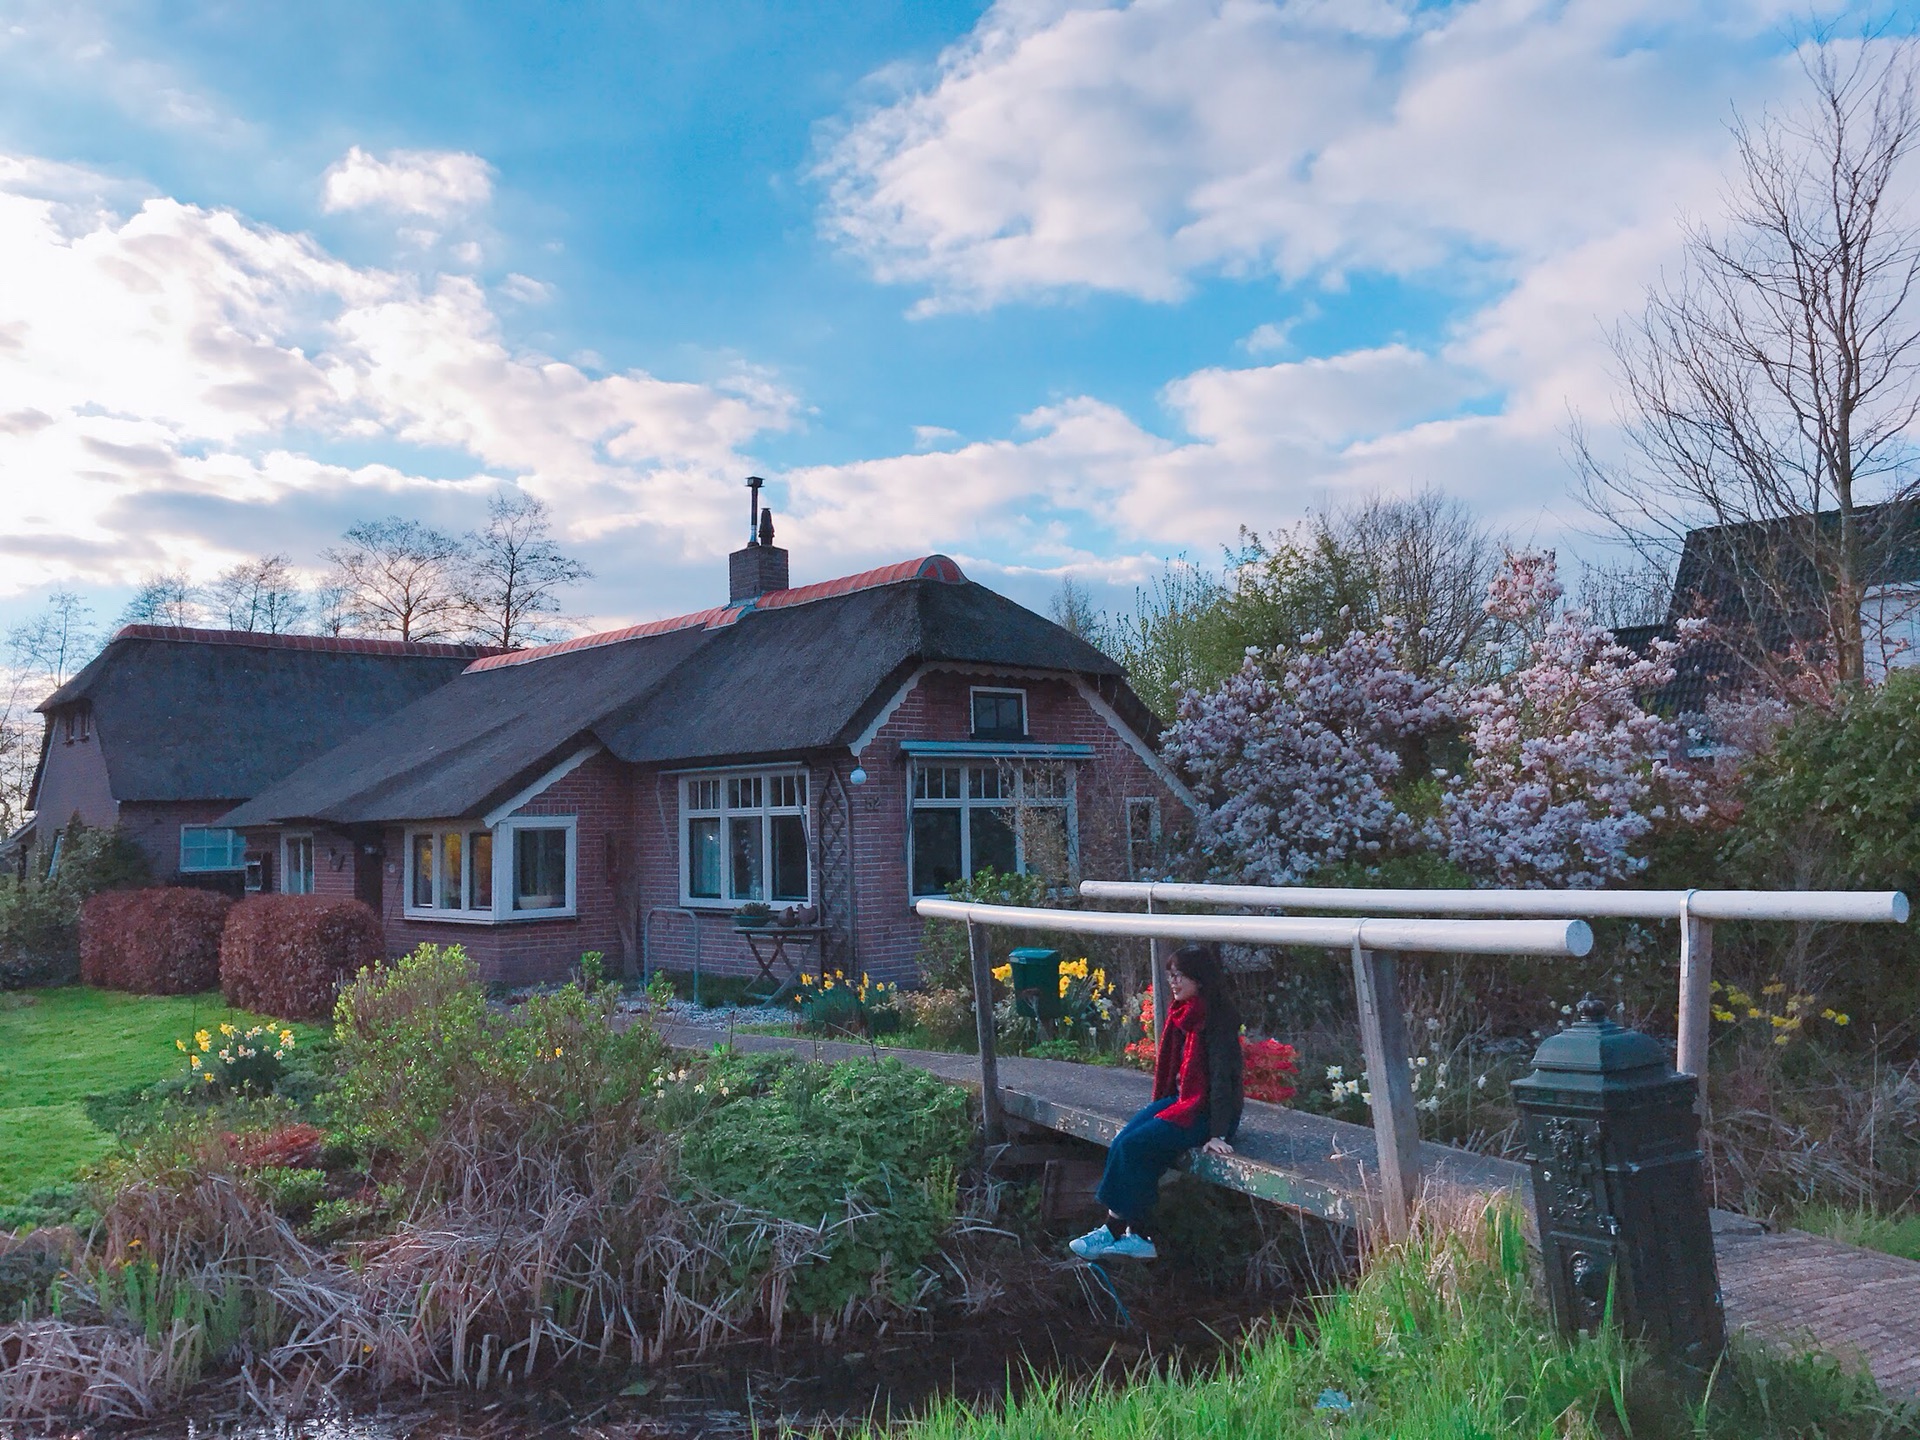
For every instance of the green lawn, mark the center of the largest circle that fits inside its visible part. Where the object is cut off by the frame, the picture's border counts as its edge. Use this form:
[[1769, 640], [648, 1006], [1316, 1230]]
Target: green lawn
[[59, 1046], [1894, 1234]]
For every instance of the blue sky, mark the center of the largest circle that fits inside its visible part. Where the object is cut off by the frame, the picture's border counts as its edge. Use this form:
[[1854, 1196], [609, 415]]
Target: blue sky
[[1058, 289]]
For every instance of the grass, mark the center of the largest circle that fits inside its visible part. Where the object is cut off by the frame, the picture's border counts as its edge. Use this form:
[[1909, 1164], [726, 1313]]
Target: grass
[[1444, 1337], [1867, 1228], [59, 1046]]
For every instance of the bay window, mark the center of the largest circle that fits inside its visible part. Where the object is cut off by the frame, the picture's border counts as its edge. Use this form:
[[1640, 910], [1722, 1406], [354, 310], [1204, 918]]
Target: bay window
[[1015, 818], [521, 869], [743, 838]]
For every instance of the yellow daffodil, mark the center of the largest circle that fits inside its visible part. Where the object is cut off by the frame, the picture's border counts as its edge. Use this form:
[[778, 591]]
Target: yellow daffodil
[[181, 1046], [203, 1039]]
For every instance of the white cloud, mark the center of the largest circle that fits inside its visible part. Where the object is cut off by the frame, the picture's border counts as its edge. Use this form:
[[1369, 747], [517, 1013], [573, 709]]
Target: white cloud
[[1131, 148], [438, 184], [932, 437], [183, 374], [526, 290]]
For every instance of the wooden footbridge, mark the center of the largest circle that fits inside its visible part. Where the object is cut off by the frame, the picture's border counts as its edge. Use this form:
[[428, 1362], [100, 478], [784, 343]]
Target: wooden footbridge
[[1792, 1288]]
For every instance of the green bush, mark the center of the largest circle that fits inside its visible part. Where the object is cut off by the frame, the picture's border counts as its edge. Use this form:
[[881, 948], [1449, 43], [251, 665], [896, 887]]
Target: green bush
[[869, 1150], [40, 916], [409, 1039]]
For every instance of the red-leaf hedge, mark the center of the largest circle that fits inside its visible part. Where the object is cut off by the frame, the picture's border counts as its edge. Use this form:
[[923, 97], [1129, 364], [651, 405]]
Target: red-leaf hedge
[[162, 941], [288, 955]]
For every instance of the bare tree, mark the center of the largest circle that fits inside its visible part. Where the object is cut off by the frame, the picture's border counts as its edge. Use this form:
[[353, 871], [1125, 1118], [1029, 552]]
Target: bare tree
[[1772, 385], [514, 573], [40, 654], [1425, 560], [1636, 592], [167, 597], [261, 595], [400, 578], [1073, 610]]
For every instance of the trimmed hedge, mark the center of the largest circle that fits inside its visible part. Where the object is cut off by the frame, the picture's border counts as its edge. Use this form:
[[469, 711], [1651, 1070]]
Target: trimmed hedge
[[162, 941], [288, 955]]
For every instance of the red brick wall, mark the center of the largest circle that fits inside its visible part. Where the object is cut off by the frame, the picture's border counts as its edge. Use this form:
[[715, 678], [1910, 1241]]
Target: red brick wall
[[940, 708], [599, 794], [74, 782], [154, 825]]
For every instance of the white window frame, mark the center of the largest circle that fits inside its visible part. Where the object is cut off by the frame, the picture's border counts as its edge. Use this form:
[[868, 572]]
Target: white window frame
[[236, 852], [1018, 801], [287, 843], [1026, 710], [766, 774], [1890, 628], [501, 911], [1151, 804]]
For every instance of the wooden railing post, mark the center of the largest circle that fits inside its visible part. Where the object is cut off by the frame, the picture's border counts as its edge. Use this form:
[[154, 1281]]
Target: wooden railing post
[[1696, 1000], [1162, 992], [993, 1120], [1396, 1124]]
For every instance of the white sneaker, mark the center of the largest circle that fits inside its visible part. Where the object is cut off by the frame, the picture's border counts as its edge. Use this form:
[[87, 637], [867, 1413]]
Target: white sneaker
[[1094, 1244], [1133, 1247]]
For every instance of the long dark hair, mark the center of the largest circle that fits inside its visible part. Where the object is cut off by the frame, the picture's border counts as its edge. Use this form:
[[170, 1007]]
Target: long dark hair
[[1201, 964]]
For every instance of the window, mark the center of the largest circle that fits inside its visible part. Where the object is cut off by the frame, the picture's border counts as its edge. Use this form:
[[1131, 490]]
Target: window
[[1890, 628], [542, 878], [999, 714], [457, 873], [1015, 818], [79, 722], [207, 847], [745, 838], [296, 864], [1143, 837]]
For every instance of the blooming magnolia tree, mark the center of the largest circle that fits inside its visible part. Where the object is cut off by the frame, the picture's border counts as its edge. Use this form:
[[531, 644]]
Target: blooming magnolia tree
[[1301, 759], [1569, 770], [1295, 757]]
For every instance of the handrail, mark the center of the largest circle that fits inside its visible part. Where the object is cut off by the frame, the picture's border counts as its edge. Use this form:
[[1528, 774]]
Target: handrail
[[1860, 907], [1462, 937]]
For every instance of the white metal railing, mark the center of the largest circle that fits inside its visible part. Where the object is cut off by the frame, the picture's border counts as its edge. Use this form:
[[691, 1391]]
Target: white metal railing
[[1695, 910], [1458, 937], [1372, 944], [1862, 906]]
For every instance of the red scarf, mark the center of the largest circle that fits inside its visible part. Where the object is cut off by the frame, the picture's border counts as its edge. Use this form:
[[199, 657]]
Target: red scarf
[[1180, 1067]]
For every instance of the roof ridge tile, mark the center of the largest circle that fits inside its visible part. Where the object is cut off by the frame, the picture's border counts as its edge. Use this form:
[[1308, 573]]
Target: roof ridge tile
[[926, 567], [335, 644]]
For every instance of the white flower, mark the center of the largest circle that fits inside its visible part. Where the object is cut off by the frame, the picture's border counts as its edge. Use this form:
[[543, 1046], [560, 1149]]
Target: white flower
[[1420, 1061], [1481, 1083], [1430, 1104], [1336, 1072], [1433, 1022]]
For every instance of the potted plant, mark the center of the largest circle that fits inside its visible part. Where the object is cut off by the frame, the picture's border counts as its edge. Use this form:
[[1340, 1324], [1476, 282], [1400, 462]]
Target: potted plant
[[752, 915]]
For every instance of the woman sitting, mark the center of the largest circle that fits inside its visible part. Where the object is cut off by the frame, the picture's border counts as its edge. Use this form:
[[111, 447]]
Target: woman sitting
[[1197, 1091]]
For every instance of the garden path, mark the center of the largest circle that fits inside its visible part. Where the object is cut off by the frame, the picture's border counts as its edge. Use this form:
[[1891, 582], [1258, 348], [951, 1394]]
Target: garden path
[[1788, 1287]]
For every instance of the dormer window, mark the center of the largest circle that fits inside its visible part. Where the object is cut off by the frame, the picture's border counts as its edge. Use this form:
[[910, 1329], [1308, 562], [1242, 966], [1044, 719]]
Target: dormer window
[[79, 720], [999, 714]]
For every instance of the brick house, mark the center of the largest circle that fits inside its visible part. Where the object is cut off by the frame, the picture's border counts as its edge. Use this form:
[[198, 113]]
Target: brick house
[[168, 729], [839, 748]]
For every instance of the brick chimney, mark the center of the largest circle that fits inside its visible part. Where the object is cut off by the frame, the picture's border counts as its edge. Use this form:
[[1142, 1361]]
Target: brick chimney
[[761, 565]]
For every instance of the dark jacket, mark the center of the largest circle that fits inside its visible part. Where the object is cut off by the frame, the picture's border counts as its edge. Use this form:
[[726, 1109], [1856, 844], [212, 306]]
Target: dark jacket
[[1226, 1070], [1226, 1082]]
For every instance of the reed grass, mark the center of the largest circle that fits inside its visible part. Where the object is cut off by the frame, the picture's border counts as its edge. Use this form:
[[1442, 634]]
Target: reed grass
[[1442, 1338]]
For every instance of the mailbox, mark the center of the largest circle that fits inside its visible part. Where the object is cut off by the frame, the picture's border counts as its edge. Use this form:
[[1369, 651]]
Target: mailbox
[[1619, 1188]]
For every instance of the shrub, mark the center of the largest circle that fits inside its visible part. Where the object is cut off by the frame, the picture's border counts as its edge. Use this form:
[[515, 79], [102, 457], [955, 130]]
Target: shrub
[[160, 941], [875, 1147], [288, 955], [412, 1038], [40, 916]]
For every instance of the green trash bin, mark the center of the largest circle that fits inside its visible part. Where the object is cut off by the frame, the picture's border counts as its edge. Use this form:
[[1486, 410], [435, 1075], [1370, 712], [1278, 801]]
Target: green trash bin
[[1036, 983]]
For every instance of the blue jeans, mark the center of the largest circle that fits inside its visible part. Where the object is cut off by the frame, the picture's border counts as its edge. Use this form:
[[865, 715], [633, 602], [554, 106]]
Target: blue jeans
[[1143, 1150]]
